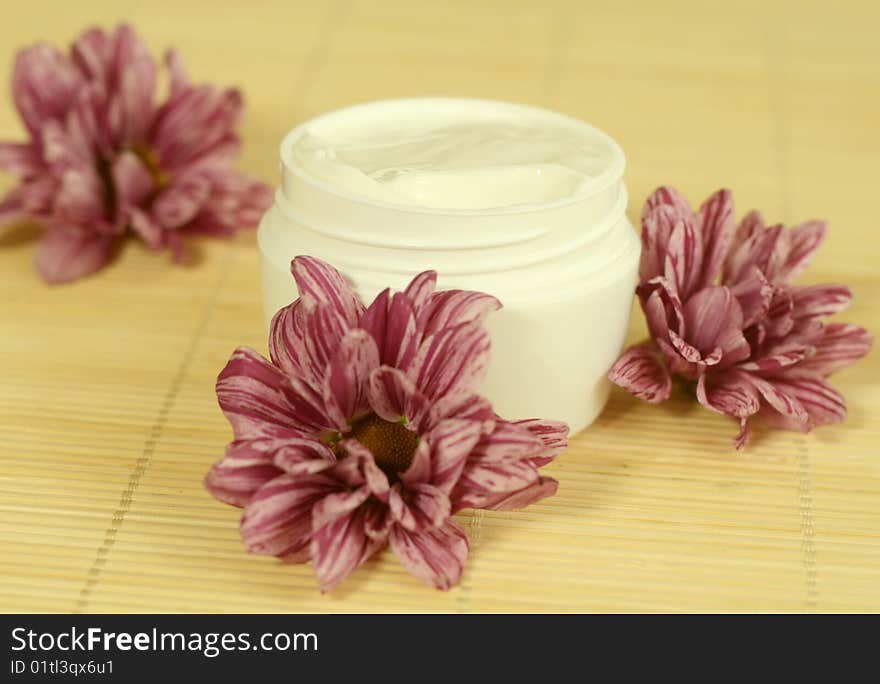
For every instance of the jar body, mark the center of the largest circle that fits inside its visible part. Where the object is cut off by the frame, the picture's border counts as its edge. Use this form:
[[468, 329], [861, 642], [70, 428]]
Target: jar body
[[564, 273]]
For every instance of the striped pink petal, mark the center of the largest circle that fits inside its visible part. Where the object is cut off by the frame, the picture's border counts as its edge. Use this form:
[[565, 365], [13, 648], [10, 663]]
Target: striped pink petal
[[420, 289], [822, 403], [765, 249], [451, 308], [732, 393], [392, 395], [839, 345], [21, 159], [392, 323], [640, 371], [373, 476], [278, 519], [324, 284], [452, 361], [44, 85], [541, 489], [254, 400], [717, 224], [803, 241], [342, 545], [65, 255], [324, 329], [345, 382], [435, 556], [553, 435], [781, 399], [237, 476], [302, 455], [684, 257], [419, 506], [287, 338], [820, 301], [663, 210], [450, 442], [178, 203], [754, 294]]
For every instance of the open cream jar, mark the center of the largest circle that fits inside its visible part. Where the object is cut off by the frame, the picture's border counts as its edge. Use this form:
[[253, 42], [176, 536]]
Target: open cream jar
[[520, 202]]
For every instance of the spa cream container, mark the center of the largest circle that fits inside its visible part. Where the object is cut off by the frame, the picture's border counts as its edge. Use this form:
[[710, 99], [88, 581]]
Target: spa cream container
[[519, 202]]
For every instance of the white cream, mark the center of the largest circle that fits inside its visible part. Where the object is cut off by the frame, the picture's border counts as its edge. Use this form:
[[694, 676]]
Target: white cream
[[452, 160]]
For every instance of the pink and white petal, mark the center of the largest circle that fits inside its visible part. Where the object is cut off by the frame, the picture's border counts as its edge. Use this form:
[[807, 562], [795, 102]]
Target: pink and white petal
[[463, 406], [135, 75], [663, 308], [840, 345], [375, 318], [337, 504], [307, 405], [717, 224], [236, 477], [822, 402], [765, 249], [684, 258], [277, 521], [820, 301], [287, 338], [341, 546], [392, 396], [44, 84], [452, 360], [553, 435], [251, 393], [64, 255], [345, 382], [324, 327], [657, 226], [508, 441], [640, 371], [420, 289], [732, 394], [178, 203], [132, 181], [323, 283], [781, 400], [543, 488], [302, 456], [375, 479], [709, 315], [20, 159], [804, 240], [450, 442], [146, 228], [750, 224], [754, 294], [80, 200], [419, 506], [451, 308], [435, 556], [377, 522], [667, 196]]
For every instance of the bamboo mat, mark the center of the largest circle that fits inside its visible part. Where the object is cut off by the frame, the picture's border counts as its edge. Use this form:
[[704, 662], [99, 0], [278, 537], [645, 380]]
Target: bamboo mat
[[108, 419]]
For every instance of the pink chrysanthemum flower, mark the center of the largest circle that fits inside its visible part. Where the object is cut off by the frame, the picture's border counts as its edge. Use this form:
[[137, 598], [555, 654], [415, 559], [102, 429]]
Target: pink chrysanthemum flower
[[364, 430], [104, 159], [722, 311]]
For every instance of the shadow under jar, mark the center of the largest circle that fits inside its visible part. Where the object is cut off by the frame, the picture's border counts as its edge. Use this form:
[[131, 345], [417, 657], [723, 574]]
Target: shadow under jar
[[522, 203]]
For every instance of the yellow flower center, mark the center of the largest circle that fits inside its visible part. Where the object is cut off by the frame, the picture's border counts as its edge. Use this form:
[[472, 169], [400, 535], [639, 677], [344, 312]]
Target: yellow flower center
[[151, 163], [393, 445]]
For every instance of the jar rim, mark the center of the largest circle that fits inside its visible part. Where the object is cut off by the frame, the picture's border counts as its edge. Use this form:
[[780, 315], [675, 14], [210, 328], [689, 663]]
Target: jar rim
[[608, 176]]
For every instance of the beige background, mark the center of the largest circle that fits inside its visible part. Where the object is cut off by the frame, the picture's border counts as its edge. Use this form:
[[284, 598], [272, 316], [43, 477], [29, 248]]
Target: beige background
[[107, 413]]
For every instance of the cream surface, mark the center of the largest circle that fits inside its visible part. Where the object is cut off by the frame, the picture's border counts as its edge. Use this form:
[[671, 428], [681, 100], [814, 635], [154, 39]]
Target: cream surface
[[451, 160]]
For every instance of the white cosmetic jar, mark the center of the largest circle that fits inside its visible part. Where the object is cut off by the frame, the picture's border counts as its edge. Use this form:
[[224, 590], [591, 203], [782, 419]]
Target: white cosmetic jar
[[564, 270]]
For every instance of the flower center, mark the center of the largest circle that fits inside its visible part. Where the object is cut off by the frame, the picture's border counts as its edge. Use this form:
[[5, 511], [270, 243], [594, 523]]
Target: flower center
[[151, 163], [392, 444]]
